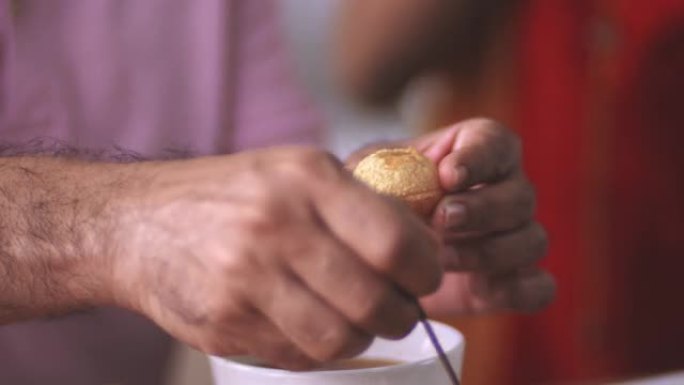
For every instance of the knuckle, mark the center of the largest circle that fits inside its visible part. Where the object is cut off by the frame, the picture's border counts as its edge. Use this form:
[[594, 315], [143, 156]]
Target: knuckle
[[233, 265], [503, 146], [505, 140], [230, 292], [370, 308], [311, 162], [494, 129], [236, 260], [341, 341], [388, 250], [505, 136], [485, 123], [224, 310], [259, 219], [268, 216]]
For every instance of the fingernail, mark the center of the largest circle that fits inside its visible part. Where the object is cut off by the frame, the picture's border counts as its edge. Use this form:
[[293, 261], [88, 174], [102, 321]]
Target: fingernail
[[455, 214]]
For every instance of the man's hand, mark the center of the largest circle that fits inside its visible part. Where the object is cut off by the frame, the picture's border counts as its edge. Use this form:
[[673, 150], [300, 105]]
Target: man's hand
[[486, 221], [278, 253]]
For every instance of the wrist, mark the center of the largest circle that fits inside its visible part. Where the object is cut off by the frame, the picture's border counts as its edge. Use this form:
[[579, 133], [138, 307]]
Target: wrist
[[96, 186], [111, 257], [54, 256]]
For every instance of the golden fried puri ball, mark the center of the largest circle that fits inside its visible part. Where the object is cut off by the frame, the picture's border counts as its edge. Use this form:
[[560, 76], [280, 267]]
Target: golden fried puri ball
[[405, 174]]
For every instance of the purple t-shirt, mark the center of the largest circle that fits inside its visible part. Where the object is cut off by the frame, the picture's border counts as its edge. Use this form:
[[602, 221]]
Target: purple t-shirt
[[198, 76]]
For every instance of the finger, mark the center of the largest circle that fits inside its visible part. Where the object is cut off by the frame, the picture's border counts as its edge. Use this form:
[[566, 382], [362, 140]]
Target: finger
[[268, 344], [309, 323], [278, 351], [497, 207], [253, 335], [359, 293], [388, 237], [526, 290], [483, 152], [498, 252]]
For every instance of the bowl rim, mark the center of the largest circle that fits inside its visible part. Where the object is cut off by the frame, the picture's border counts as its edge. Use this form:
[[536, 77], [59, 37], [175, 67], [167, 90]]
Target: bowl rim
[[233, 364]]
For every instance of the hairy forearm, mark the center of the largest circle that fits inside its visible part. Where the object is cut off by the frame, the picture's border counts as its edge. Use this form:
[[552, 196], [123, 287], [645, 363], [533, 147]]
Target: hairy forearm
[[54, 215], [383, 44]]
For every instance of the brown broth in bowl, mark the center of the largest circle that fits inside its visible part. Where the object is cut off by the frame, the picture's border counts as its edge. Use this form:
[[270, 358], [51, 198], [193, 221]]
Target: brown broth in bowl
[[360, 363], [348, 364]]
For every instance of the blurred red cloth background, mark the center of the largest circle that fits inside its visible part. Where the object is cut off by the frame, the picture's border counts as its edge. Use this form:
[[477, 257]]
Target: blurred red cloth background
[[596, 90], [600, 107]]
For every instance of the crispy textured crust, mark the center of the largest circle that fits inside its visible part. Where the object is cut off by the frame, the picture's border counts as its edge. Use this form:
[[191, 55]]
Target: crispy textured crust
[[402, 173]]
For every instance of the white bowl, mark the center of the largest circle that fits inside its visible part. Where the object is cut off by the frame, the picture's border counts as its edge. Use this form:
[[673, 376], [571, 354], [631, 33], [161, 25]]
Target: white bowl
[[420, 364]]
